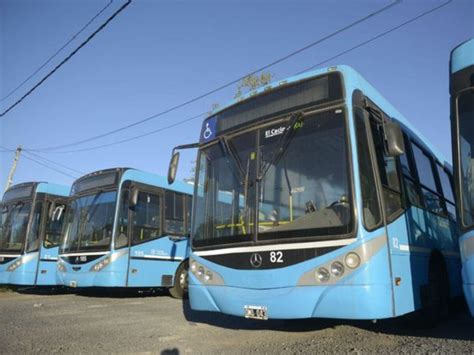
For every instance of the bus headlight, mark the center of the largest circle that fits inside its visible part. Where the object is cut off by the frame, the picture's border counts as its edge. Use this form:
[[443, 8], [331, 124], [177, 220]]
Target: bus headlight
[[322, 274], [337, 269], [352, 260], [208, 276], [61, 267], [14, 265], [101, 264], [204, 274]]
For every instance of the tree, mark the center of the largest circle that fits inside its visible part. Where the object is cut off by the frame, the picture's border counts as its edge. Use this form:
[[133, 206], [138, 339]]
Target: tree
[[252, 82]]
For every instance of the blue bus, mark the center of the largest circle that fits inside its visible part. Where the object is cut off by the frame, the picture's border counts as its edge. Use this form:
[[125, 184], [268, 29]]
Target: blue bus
[[126, 228], [338, 207], [31, 222], [462, 123]]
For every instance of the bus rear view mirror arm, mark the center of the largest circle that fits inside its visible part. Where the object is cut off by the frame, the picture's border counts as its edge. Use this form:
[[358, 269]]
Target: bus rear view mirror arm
[[394, 139], [174, 162]]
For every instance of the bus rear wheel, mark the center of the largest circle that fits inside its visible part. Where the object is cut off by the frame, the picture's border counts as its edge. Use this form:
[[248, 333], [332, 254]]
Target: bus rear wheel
[[180, 287]]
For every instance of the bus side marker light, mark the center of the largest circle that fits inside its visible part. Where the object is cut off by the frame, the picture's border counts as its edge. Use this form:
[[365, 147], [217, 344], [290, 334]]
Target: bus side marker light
[[398, 281]]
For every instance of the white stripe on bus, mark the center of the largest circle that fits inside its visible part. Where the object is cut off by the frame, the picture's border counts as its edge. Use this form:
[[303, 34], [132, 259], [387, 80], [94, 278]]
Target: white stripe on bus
[[292, 246]]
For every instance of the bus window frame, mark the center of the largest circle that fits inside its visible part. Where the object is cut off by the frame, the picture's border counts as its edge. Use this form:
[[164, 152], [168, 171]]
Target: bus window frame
[[254, 126], [52, 199], [128, 186], [457, 174], [370, 106]]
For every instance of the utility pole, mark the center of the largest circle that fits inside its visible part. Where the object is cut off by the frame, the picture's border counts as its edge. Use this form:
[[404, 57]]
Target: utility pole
[[13, 169]]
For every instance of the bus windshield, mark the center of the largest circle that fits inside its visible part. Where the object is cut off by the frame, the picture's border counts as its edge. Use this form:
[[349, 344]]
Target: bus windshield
[[466, 155], [15, 224], [89, 222], [266, 185]]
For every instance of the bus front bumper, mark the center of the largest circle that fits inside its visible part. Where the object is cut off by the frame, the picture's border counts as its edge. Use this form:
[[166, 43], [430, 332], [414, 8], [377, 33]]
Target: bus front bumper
[[344, 302], [92, 279]]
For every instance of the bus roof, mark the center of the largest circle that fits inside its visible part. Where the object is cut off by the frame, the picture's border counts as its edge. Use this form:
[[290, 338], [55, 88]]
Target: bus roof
[[42, 187], [462, 56], [156, 180], [352, 81], [52, 189]]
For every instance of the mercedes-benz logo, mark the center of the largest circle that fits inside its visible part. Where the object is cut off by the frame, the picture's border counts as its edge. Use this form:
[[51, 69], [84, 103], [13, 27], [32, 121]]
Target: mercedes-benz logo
[[256, 260]]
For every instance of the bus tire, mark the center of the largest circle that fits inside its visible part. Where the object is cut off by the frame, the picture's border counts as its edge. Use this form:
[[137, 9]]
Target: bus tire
[[180, 287], [436, 305]]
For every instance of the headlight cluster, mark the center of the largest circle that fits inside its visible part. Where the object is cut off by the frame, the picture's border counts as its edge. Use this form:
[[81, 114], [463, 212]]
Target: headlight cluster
[[202, 273], [336, 269], [15, 265], [101, 264]]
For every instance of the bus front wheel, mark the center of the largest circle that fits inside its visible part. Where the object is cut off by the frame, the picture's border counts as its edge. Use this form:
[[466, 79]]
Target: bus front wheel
[[180, 287]]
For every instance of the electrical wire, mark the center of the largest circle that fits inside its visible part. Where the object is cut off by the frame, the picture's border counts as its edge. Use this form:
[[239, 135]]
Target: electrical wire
[[65, 60], [37, 156], [131, 138], [50, 167], [312, 67], [228, 84], [57, 52], [372, 39]]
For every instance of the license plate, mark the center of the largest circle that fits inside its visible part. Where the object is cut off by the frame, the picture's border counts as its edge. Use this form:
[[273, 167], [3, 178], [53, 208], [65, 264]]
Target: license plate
[[256, 312], [73, 284]]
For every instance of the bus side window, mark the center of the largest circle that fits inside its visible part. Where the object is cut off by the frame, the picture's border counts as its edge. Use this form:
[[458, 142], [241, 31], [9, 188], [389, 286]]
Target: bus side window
[[427, 179], [388, 175], [448, 194], [34, 232], [174, 213], [409, 175], [146, 223], [370, 203]]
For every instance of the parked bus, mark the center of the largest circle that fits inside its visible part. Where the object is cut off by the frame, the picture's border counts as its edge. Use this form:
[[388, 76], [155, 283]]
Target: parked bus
[[126, 228], [462, 123], [338, 207], [31, 222]]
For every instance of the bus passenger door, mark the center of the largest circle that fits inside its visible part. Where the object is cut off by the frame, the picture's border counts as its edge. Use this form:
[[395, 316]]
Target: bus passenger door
[[396, 221], [145, 231], [54, 213]]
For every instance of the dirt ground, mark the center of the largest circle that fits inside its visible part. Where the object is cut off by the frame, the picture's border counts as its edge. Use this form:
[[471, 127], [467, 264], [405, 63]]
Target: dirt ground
[[156, 323]]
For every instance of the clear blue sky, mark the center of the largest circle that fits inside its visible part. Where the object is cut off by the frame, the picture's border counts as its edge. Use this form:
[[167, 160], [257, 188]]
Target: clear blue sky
[[160, 53]]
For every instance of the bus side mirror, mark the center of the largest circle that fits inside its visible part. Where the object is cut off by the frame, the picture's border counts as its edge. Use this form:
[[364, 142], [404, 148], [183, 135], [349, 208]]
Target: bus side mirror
[[394, 137], [173, 167], [133, 198]]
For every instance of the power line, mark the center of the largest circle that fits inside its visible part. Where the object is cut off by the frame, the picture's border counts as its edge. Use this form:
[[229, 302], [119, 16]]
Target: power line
[[131, 138], [232, 82], [37, 156], [57, 52], [312, 67], [50, 167], [413, 19], [65, 60]]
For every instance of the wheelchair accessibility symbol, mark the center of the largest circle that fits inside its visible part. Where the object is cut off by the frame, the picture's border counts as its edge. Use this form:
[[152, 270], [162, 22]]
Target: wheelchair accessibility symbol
[[207, 132]]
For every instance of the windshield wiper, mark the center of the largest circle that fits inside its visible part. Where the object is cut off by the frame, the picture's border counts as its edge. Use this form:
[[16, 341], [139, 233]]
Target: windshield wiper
[[234, 161], [283, 144]]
